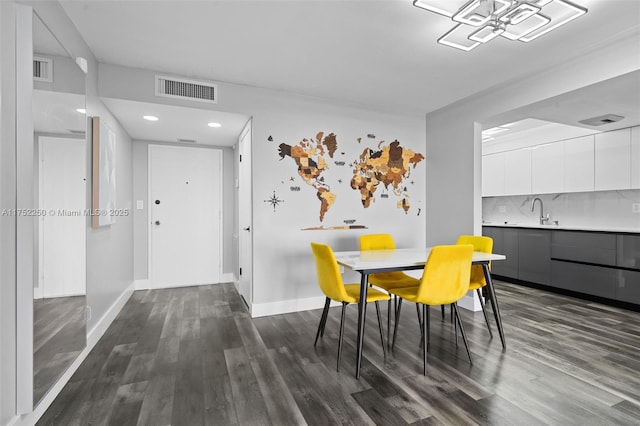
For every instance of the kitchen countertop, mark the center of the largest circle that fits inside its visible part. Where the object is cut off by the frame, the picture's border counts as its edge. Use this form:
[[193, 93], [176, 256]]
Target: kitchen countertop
[[552, 227]]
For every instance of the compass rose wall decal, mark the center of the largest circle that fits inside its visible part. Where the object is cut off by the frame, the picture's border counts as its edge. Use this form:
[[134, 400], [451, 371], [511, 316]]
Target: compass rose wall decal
[[274, 201]]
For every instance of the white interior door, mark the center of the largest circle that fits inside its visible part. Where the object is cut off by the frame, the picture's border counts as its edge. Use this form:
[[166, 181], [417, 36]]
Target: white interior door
[[185, 202], [245, 241], [62, 225]]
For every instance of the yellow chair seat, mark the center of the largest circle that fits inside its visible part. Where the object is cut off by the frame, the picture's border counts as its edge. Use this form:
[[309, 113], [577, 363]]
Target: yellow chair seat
[[373, 295], [391, 280]]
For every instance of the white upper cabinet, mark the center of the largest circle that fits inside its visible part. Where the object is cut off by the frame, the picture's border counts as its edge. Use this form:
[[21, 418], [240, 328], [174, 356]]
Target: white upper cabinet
[[613, 160], [578, 164], [635, 157], [493, 175], [601, 162], [517, 172], [547, 168]]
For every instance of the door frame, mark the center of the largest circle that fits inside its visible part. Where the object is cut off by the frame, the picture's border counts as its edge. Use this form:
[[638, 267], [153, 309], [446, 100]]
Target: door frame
[[245, 204], [150, 201]]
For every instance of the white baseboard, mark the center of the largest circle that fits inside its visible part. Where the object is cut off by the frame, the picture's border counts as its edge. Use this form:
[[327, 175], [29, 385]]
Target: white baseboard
[[93, 336], [470, 302], [141, 284], [145, 284], [287, 306]]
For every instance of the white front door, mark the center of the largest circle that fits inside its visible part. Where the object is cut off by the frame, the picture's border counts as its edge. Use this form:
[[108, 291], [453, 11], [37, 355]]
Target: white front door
[[185, 205], [62, 225], [244, 202]]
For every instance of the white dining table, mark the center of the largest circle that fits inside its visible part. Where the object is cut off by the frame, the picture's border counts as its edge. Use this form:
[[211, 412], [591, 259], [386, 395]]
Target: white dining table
[[373, 261]]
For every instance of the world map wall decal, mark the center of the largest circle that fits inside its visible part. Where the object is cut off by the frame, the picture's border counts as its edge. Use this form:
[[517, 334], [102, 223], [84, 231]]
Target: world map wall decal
[[386, 164]]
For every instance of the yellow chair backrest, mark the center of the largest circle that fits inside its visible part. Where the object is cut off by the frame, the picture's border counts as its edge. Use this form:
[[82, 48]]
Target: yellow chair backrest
[[329, 277], [377, 242], [479, 243], [446, 274]]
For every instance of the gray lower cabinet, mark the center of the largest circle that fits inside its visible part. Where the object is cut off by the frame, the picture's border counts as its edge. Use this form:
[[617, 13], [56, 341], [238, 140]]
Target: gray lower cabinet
[[505, 241], [587, 279], [595, 263], [587, 247], [534, 256], [628, 289], [628, 251]]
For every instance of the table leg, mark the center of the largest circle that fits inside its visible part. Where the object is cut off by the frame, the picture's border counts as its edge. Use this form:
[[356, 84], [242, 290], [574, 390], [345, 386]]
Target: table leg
[[364, 284], [494, 302]]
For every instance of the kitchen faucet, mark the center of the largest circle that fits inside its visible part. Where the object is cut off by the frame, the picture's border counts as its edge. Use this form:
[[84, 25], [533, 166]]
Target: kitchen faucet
[[543, 219]]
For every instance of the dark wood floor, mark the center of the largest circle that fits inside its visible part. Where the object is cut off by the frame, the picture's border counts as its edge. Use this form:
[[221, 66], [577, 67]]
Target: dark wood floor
[[193, 356], [59, 335]]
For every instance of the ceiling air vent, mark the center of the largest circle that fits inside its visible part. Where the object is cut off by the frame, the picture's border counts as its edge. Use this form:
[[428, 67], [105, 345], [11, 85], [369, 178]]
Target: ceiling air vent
[[603, 119], [42, 69], [172, 87]]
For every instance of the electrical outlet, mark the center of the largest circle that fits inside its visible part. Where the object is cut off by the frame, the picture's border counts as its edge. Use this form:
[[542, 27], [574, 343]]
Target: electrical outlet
[[635, 207]]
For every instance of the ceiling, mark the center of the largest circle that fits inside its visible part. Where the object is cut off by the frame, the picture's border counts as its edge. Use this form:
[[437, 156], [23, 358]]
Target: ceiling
[[376, 54]]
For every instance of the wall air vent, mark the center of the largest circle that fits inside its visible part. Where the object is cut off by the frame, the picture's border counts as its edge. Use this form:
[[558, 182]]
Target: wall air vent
[[603, 119], [183, 88], [42, 69], [186, 140]]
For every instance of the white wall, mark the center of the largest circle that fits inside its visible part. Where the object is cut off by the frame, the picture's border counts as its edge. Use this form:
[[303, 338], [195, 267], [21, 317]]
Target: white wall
[[452, 133], [7, 223], [283, 269]]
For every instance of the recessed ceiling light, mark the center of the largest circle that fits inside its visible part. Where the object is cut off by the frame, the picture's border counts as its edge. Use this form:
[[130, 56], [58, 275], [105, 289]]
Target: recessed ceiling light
[[150, 118], [81, 110], [212, 124]]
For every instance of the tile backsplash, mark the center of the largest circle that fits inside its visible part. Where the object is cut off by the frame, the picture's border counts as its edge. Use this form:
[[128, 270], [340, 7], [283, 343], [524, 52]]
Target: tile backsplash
[[613, 209]]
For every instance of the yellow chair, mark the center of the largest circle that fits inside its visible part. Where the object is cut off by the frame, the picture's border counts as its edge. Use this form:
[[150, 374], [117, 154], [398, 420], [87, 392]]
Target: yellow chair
[[330, 281], [477, 281], [387, 280], [445, 280]]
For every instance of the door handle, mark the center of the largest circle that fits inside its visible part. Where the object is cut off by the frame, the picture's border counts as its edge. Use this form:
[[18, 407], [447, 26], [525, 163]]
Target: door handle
[[248, 228]]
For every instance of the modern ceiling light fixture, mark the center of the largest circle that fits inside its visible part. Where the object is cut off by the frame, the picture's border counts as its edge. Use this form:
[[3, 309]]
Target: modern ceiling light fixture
[[479, 21]]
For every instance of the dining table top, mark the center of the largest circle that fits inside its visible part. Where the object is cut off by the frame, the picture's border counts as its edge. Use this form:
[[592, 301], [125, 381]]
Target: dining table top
[[405, 258]]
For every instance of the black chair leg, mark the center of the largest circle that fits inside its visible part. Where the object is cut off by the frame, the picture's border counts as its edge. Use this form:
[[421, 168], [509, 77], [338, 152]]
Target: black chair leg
[[464, 336], [428, 327], [395, 326], [419, 317], [442, 309], [344, 305], [323, 320], [384, 351], [389, 322], [425, 338], [484, 311]]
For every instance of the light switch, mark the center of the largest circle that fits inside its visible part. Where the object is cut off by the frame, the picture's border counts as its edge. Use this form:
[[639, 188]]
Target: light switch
[[139, 204]]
